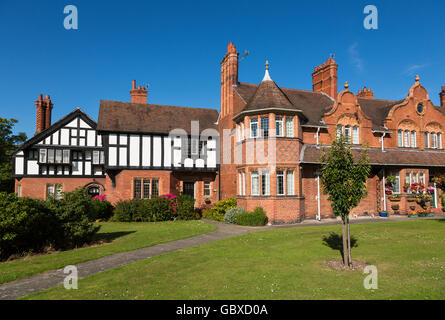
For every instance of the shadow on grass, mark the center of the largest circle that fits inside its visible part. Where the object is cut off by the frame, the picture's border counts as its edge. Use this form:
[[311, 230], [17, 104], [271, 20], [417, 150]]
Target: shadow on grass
[[335, 242], [111, 236]]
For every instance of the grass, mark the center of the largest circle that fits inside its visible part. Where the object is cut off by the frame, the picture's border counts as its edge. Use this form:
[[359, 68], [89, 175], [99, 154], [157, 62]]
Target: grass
[[119, 237], [282, 264]]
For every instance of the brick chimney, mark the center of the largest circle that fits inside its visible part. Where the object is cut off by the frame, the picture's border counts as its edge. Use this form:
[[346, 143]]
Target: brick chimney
[[44, 108], [229, 77], [365, 93], [324, 78], [442, 97], [139, 94]]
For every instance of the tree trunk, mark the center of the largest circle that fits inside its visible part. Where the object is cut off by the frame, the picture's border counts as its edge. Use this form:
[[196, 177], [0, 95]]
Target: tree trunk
[[349, 243], [345, 243]]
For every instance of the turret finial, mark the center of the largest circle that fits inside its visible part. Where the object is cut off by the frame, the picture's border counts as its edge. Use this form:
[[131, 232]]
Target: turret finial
[[267, 65]]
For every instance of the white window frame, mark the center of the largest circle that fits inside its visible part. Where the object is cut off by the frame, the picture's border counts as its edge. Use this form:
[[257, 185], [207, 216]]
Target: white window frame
[[413, 139], [406, 139], [254, 123], [400, 138], [254, 187], [279, 127], [289, 127], [290, 183], [355, 135], [266, 183], [280, 174]]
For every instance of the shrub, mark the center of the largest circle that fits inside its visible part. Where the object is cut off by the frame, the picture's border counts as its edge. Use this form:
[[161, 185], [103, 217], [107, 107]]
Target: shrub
[[30, 225], [395, 207], [25, 225], [144, 210], [101, 210], [256, 218], [231, 214], [219, 210], [185, 208]]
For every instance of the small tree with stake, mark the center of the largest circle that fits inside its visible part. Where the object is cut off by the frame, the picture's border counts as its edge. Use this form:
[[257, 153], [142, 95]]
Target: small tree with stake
[[345, 182]]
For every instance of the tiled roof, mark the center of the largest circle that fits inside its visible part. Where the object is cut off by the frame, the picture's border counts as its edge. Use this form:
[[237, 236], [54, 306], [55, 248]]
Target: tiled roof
[[149, 118], [391, 157]]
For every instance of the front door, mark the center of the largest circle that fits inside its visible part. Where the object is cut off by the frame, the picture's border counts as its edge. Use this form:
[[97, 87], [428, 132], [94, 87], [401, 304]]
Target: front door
[[189, 188]]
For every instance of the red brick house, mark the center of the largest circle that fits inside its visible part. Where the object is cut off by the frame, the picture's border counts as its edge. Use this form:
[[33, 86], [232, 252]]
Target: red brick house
[[263, 147]]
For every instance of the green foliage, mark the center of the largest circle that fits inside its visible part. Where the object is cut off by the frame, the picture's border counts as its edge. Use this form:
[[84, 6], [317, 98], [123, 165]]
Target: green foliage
[[101, 210], [218, 211], [256, 218], [232, 214], [395, 207], [343, 179], [143, 210], [8, 144], [32, 225], [185, 208]]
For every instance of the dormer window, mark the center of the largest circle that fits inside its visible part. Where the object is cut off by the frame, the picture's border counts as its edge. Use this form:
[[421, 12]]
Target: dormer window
[[406, 138], [351, 134]]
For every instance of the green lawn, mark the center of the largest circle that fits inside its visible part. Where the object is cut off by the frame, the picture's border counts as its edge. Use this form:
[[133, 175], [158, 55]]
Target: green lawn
[[282, 264], [116, 237]]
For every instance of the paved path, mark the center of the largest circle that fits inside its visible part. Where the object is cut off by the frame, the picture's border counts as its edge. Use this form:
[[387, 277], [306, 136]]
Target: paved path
[[49, 279]]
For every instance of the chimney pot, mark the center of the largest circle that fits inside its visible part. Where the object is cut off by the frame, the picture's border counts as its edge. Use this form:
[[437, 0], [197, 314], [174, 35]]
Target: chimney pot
[[365, 93], [138, 94]]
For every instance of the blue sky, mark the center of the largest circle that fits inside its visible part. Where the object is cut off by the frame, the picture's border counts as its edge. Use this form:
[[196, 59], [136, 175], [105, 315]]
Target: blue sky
[[177, 47]]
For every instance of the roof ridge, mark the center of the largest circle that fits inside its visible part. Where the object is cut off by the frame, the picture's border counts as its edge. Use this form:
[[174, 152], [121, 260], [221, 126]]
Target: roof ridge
[[161, 105]]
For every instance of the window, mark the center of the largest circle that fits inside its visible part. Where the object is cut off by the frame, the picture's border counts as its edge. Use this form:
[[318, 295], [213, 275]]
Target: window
[[265, 127], [206, 188], [279, 126], [96, 157], [433, 140], [406, 140], [33, 155], [54, 190], [93, 191], [289, 127], [290, 183], [146, 189], [439, 141], [397, 183], [66, 156], [408, 181], [400, 138], [155, 188], [422, 178], [77, 155], [19, 191], [242, 130], [427, 140], [240, 186], [253, 128], [51, 156], [255, 190], [42, 158], [202, 148], [348, 134], [244, 184], [413, 139], [137, 188], [415, 180], [87, 155], [265, 183], [58, 156], [280, 183], [355, 135], [102, 157]]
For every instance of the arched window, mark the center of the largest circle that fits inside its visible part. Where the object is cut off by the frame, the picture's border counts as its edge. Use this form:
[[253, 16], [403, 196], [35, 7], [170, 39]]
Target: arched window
[[348, 133], [433, 140], [339, 131], [439, 141], [427, 139]]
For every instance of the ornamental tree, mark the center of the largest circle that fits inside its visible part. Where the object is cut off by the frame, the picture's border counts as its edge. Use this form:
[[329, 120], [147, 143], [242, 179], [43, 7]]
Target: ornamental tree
[[344, 180]]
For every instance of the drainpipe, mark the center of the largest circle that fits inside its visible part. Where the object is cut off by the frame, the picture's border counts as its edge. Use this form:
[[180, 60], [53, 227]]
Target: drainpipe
[[316, 135], [382, 139], [435, 196], [384, 190], [318, 198]]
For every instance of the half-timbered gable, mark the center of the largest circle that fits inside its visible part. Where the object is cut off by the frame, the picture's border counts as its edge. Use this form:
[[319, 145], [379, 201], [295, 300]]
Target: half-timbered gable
[[70, 147]]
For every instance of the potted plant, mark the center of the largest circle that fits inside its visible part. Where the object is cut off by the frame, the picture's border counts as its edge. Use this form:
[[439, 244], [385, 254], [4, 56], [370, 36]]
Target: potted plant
[[396, 208], [384, 214], [412, 208], [207, 201], [406, 187], [394, 197]]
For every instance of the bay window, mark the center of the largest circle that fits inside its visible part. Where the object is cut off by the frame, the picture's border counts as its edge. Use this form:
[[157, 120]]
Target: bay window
[[265, 127], [289, 127], [253, 128], [279, 126], [290, 183], [255, 190], [280, 183]]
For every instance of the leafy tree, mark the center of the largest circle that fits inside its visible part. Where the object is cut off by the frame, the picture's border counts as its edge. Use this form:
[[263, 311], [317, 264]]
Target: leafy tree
[[8, 144], [345, 182]]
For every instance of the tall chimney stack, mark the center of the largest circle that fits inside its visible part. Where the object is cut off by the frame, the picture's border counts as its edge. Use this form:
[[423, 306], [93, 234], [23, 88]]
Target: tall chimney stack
[[44, 108], [138, 94], [442, 97], [324, 78], [229, 77]]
